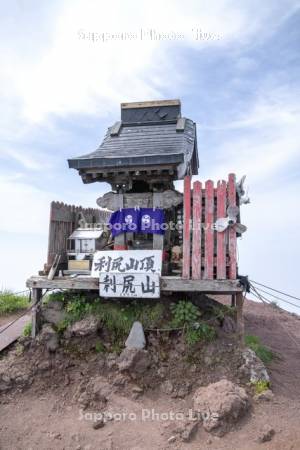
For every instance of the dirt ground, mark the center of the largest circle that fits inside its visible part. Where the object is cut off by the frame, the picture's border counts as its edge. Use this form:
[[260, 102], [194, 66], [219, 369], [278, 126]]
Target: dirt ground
[[46, 419]]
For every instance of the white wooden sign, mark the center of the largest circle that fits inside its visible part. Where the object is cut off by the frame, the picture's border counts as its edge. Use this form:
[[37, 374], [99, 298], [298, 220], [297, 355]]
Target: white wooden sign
[[127, 261], [129, 285]]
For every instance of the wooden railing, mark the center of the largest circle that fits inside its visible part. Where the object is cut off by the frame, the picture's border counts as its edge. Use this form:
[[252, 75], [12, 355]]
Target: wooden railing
[[208, 254]]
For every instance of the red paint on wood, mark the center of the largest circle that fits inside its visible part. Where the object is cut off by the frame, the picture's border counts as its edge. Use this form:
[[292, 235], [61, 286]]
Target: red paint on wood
[[221, 244], [209, 232], [232, 247], [120, 247], [196, 248], [186, 228]]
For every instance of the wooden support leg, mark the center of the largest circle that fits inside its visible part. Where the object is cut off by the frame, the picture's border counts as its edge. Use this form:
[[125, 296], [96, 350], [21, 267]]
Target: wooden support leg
[[35, 312], [239, 315]]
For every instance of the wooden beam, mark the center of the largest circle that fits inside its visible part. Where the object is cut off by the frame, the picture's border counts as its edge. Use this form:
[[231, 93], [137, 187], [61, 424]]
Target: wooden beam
[[115, 129], [180, 126], [186, 228], [147, 104], [168, 283], [196, 245], [35, 311], [240, 316]]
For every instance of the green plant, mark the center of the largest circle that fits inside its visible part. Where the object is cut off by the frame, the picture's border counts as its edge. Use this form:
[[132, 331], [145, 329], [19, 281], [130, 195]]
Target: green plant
[[184, 313], [10, 302], [62, 326], [77, 308], [199, 332], [264, 353], [100, 347], [27, 329], [260, 386]]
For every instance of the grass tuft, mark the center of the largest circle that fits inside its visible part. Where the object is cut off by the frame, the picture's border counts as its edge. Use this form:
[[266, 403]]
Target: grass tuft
[[264, 353], [10, 302]]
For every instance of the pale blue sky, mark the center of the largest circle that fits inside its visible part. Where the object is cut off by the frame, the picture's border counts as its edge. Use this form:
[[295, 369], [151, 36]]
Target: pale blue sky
[[60, 92]]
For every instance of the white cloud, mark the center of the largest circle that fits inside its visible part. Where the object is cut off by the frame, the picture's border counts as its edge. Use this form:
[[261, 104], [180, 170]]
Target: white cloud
[[74, 75]]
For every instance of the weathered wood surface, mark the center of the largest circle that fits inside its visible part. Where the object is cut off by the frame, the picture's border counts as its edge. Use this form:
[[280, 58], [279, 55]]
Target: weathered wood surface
[[209, 232], [13, 332], [167, 199], [196, 244], [221, 244], [232, 245], [63, 221], [214, 253], [168, 283], [186, 228]]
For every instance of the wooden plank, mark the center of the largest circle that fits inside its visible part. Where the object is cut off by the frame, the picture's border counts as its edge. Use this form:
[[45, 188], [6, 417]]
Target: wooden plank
[[35, 311], [221, 244], [209, 233], [115, 129], [196, 245], [10, 333], [130, 105], [186, 228], [239, 316], [232, 247], [180, 126], [119, 241], [168, 283]]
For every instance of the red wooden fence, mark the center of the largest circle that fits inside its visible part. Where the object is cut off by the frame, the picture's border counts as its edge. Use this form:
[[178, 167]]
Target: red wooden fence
[[208, 254]]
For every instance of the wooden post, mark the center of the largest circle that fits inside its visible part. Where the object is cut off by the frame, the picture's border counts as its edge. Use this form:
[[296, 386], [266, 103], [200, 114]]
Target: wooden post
[[186, 228], [232, 232], [35, 312], [209, 232], [221, 246], [119, 243], [196, 244], [239, 315]]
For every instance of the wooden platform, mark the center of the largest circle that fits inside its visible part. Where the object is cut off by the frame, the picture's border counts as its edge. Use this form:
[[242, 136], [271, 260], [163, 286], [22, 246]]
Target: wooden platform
[[168, 283]]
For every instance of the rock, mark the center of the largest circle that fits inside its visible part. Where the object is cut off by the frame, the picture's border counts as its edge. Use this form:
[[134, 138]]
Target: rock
[[266, 433], [167, 387], [171, 439], [98, 424], [266, 395], [136, 338], [134, 360], [137, 390], [228, 325], [93, 394], [53, 312], [49, 338], [189, 429], [253, 368], [219, 405], [85, 327]]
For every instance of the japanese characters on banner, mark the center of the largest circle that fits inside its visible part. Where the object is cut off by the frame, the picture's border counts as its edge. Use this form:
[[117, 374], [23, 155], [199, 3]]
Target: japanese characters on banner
[[128, 273]]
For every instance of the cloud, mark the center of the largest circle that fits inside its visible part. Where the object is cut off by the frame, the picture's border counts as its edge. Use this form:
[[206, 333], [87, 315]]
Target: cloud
[[78, 75]]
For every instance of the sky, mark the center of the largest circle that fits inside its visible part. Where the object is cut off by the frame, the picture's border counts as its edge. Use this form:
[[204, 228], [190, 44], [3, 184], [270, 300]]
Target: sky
[[66, 66]]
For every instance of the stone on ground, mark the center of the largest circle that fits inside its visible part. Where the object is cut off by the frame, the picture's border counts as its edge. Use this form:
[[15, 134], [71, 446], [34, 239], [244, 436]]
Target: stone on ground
[[253, 368], [134, 360], [136, 338], [266, 433], [49, 338], [219, 405], [85, 327]]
